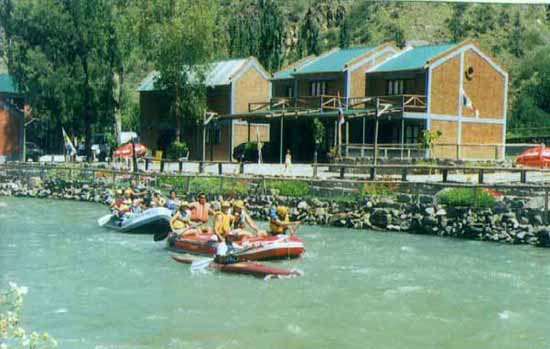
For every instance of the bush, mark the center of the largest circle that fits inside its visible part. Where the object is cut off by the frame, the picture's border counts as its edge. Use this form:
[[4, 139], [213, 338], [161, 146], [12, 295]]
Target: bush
[[177, 150], [235, 186], [466, 197], [289, 188], [205, 184]]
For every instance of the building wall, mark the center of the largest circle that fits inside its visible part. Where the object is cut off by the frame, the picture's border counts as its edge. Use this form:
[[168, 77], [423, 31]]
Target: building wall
[[249, 87], [11, 136], [481, 141], [444, 83], [241, 132], [485, 88], [358, 77], [445, 146]]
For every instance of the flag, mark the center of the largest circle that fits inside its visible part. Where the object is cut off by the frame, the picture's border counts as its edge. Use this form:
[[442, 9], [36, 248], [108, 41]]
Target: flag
[[340, 111], [69, 147], [467, 102]]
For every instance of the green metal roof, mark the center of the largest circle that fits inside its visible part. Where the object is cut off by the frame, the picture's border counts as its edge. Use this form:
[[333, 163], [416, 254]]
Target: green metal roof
[[414, 58], [286, 73], [333, 61], [7, 85]]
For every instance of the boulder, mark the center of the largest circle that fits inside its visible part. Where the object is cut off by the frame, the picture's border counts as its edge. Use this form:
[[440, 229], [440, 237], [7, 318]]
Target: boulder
[[380, 218]]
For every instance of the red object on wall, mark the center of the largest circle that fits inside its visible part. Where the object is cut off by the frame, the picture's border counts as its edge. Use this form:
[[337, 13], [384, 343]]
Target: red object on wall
[[535, 157], [125, 150]]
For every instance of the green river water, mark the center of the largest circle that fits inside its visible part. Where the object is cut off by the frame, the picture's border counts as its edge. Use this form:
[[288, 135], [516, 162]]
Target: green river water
[[92, 288]]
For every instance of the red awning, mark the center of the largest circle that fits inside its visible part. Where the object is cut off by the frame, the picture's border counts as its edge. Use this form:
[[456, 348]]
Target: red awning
[[125, 150]]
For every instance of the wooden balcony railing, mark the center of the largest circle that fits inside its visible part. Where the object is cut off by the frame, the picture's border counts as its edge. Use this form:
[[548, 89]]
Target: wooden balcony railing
[[324, 103]]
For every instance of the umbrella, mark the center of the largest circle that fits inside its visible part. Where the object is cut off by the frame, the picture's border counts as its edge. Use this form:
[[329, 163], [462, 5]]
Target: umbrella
[[535, 157], [125, 150]]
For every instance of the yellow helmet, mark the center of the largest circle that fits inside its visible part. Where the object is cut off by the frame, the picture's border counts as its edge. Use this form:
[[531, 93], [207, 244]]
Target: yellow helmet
[[238, 204], [226, 204], [282, 211], [119, 192], [184, 204]]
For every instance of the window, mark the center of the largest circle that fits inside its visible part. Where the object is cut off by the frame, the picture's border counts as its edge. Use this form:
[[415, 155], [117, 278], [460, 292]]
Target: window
[[317, 88], [395, 87]]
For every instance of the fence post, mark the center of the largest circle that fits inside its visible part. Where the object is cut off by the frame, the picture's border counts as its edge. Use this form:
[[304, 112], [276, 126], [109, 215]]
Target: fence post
[[545, 205], [342, 171], [180, 165], [480, 177], [161, 165], [201, 167], [220, 169], [445, 174], [523, 176], [404, 174], [241, 167], [146, 164], [372, 173], [315, 164], [188, 184]]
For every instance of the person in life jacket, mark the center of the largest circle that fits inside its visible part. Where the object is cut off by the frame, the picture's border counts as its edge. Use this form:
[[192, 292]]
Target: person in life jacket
[[225, 251], [223, 221], [173, 202], [200, 211], [181, 220], [158, 200], [241, 221], [118, 206], [279, 221]]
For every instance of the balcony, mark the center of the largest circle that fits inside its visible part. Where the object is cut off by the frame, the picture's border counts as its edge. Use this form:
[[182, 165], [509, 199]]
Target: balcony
[[326, 103]]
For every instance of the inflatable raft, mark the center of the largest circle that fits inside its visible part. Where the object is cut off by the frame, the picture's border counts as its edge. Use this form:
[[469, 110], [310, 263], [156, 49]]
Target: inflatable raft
[[255, 248], [255, 269], [152, 221]]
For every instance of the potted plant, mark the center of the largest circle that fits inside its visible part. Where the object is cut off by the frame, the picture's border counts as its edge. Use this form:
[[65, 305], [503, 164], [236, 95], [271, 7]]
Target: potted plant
[[178, 150]]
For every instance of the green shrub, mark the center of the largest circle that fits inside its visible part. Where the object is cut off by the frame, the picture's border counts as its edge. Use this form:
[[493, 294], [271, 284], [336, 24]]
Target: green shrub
[[177, 150], [289, 188], [466, 197]]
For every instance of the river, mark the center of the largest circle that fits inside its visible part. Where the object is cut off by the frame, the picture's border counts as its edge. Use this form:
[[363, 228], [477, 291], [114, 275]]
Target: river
[[92, 288]]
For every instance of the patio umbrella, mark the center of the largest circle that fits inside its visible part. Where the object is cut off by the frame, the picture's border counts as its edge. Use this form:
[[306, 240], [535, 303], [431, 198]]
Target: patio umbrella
[[534, 157], [125, 150]]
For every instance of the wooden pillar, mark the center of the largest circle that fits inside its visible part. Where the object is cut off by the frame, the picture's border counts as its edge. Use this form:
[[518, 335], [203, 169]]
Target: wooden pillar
[[480, 177], [546, 206], [402, 136], [248, 125], [363, 138], [281, 139], [203, 139], [375, 155], [347, 138], [445, 174]]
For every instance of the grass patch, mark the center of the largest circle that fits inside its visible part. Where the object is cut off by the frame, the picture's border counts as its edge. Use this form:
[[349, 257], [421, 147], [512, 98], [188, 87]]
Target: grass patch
[[205, 184], [377, 189], [466, 197], [235, 186], [289, 188]]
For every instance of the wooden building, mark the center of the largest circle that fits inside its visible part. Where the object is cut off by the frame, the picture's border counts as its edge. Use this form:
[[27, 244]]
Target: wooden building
[[456, 89], [11, 120], [231, 86], [461, 93]]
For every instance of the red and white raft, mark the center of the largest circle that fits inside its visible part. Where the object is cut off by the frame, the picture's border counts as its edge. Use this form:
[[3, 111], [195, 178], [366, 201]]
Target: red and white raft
[[246, 268], [255, 248]]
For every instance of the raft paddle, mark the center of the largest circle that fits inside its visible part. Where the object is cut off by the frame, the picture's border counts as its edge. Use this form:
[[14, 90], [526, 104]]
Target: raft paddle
[[105, 219]]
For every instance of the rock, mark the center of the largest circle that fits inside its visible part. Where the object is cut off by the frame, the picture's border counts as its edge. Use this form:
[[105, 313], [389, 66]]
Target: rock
[[537, 220], [426, 199], [380, 217], [543, 236], [430, 211], [404, 198]]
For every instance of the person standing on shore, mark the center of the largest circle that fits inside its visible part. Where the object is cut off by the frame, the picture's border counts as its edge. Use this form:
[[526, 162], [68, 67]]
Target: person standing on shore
[[288, 161]]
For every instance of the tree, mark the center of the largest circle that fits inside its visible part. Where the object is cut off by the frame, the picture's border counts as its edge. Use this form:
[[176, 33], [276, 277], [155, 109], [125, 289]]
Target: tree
[[182, 48], [345, 35], [308, 41], [516, 36], [62, 55], [396, 33], [259, 30], [530, 112], [456, 24], [483, 20]]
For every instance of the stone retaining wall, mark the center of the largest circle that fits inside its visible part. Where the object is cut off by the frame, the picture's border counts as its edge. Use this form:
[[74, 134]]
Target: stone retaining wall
[[512, 220]]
